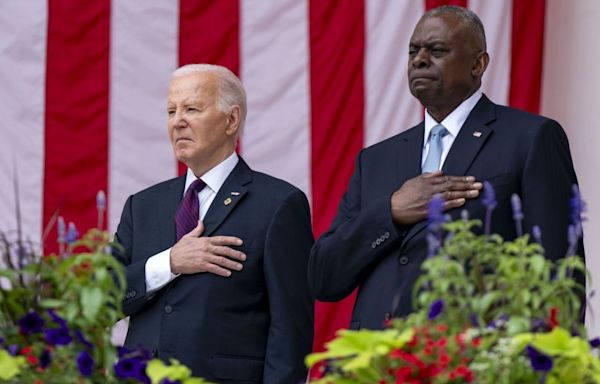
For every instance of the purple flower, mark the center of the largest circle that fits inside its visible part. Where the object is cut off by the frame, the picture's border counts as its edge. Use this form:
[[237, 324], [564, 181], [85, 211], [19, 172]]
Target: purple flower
[[101, 201], [595, 342], [45, 358], [537, 234], [539, 361], [578, 206], [85, 364], [30, 323], [83, 340], [132, 368], [167, 381], [464, 214], [58, 336], [433, 244], [13, 349], [61, 228], [474, 320], [72, 233], [515, 201], [435, 212], [500, 321], [489, 196], [122, 351], [435, 309], [57, 319]]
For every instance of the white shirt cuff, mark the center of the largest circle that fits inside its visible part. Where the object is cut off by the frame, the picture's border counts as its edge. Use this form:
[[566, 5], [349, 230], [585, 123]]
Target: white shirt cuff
[[158, 271]]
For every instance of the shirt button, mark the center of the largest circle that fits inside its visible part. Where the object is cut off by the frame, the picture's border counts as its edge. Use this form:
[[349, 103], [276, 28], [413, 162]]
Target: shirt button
[[168, 309], [404, 260]]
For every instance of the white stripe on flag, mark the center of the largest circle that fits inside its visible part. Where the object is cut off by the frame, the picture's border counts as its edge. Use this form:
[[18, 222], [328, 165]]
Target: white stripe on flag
[[23, 26], [390, 108], [274, 69], [142, 59], [497, 18]]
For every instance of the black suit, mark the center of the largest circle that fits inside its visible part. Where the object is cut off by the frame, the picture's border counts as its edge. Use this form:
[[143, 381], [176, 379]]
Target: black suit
[[515, 151], [254, 326]]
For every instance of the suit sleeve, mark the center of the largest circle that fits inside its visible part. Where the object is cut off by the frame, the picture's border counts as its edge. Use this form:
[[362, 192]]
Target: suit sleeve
[[360, 235], [288, 243], [548, 177], [135, 274]]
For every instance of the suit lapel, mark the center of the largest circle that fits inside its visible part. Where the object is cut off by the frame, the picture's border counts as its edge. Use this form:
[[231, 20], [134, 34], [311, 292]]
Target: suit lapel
[[471, 137], [231, 193], [408, 161], [473, 134], [167, 207]]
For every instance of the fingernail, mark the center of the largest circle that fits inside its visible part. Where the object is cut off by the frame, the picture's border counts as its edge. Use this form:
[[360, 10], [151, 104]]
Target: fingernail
[[477, 185], [239, 267], [470, 178], [243, 257], [240, 242], [228, 273]]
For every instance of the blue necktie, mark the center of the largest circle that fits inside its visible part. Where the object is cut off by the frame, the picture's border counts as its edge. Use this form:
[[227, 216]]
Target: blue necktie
[[432, 161]]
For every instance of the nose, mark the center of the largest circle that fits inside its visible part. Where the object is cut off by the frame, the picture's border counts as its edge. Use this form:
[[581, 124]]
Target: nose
[[178, 120], [420, 59]]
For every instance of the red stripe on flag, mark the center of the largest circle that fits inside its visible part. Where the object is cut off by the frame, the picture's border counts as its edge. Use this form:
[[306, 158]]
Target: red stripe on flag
[[76, 135], [430, 4], [337, 48], [527, 54], [209, 33]]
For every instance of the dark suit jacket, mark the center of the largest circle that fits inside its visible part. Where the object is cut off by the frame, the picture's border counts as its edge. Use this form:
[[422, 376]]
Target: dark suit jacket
[[516, 152], [254, 326]]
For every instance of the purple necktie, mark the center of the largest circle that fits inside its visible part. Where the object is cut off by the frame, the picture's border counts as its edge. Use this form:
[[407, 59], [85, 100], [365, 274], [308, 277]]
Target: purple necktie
[[186, 217]]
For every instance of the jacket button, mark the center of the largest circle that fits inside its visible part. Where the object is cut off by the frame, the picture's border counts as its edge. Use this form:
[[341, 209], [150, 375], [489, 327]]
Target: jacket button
[[373, 245], [386, 235], [404, 260], [168, 309]]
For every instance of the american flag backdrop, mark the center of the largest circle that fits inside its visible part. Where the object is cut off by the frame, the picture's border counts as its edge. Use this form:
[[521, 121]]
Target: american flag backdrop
[[83, 89]]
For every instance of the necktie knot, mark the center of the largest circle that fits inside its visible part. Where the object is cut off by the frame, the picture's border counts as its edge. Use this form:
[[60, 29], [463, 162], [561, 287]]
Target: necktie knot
[[438, 130], [196, 186]]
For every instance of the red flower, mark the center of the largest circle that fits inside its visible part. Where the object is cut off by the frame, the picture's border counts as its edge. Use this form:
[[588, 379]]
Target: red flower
[[476, 342], [553, 317], [33, 360], [442, 342], [441, 327]]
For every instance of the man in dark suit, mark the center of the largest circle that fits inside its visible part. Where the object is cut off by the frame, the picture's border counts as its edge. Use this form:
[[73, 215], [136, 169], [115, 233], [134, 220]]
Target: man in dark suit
[[227, 295], [377, 242]]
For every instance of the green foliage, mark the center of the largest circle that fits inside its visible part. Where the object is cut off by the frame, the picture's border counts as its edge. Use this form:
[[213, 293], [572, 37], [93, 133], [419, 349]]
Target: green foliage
[[498, 298]]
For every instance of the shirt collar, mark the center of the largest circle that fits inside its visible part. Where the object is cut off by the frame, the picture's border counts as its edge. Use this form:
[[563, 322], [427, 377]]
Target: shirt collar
[[216, 176], [455, 120]]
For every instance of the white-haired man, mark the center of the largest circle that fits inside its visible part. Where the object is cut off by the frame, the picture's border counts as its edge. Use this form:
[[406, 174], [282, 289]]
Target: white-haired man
[[216, 260]]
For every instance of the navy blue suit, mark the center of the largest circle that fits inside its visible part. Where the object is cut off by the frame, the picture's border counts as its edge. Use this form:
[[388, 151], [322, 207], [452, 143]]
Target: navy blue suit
[[254, 326], [515, 151]]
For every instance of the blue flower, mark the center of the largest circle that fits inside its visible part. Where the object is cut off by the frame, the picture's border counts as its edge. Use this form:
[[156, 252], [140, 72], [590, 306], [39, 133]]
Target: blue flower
[[85, 364], [72, 233], [474, 320], [58, 336], [499, 322], [132, 368], [435, 212], [57, 319], [13, 349], [30, 323], [45, 358], [515, 201], [83, 340], [167, 381], [537, 234], [489, 196], [595, 342], [435, 309], [539, 361]]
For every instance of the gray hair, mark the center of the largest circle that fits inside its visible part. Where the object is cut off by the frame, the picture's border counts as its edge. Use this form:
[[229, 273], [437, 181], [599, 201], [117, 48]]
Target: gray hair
[[230, 89], [468, 17]]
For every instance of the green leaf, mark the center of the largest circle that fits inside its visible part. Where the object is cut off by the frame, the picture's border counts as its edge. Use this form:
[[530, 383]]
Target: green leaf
[[10, 366], [51, 303], [91, 301]]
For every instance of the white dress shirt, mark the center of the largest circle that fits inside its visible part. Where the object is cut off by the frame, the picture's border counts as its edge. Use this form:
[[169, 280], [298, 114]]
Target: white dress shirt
[[158, 267], [453, 123]]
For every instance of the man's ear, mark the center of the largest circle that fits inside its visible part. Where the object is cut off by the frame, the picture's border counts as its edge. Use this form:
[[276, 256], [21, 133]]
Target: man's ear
[[480, 64], [233, 121]]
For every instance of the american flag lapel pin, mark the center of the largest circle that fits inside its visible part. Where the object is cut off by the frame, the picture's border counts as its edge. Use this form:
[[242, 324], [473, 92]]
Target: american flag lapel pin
[[477, 134], [235, 193]]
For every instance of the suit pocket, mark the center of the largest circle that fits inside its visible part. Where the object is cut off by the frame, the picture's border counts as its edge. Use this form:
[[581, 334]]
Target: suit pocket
[[237, 368]]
